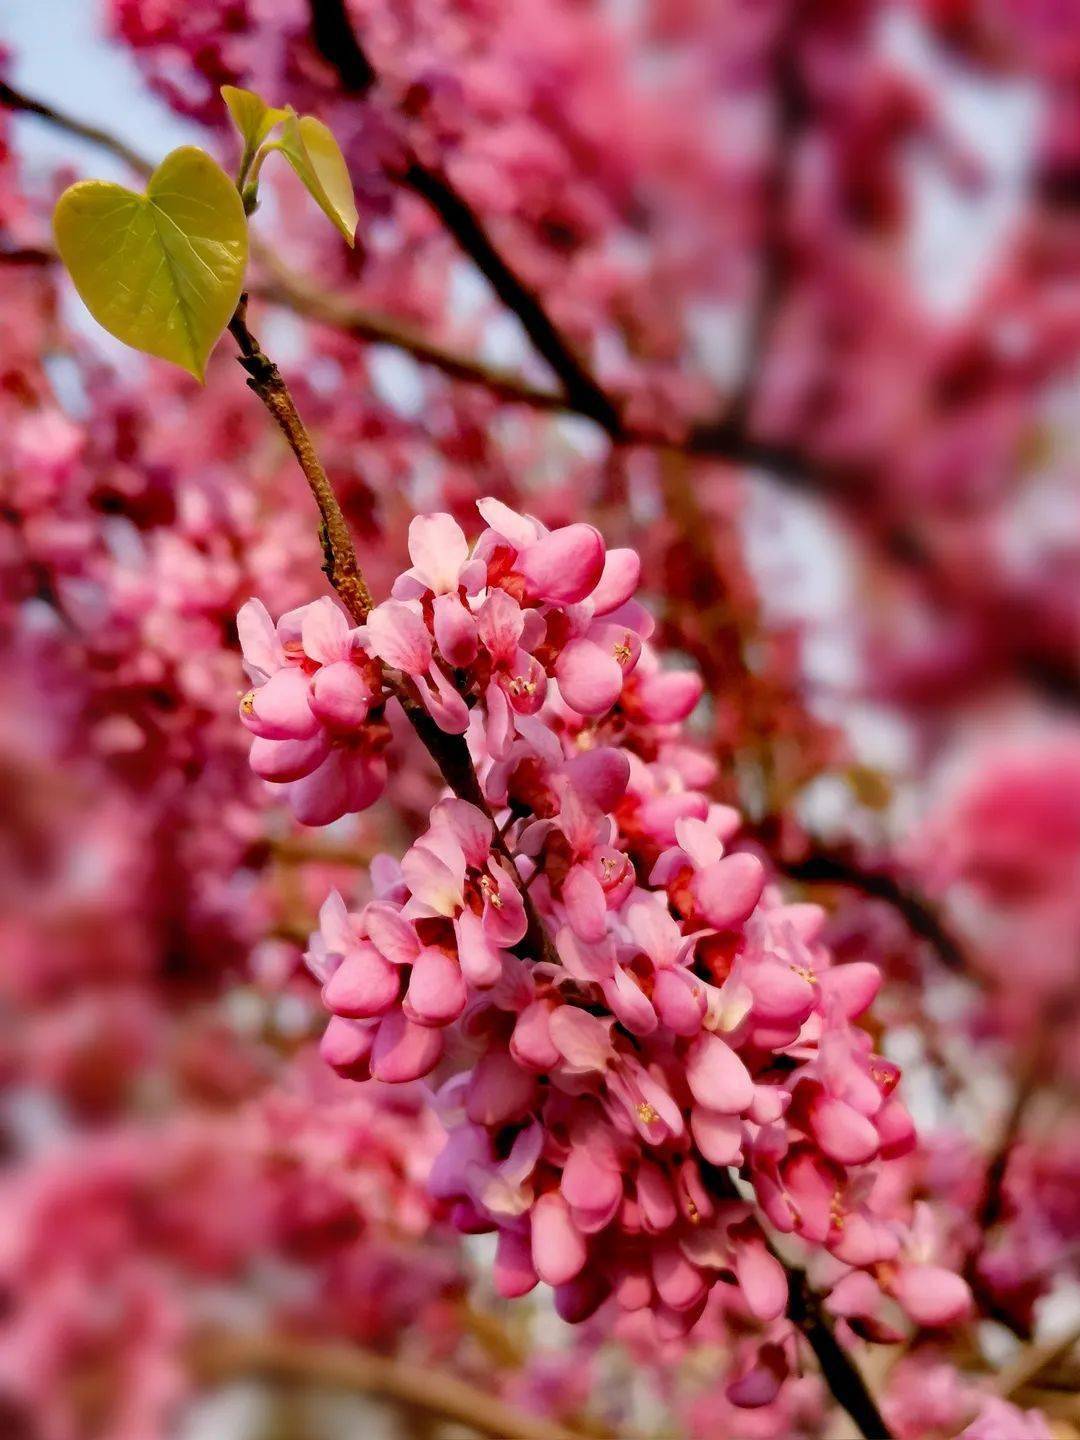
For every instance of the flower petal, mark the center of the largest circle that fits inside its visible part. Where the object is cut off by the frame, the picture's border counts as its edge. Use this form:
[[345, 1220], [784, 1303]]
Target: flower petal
[[565, 566], [718, 1079], [438, 549], [403, 1051]]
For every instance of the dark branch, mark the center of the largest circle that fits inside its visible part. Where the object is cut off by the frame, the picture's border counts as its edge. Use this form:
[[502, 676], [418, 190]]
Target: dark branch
[[330, 19], [29, 255], [220, 1357], [285, 288], [788, 115], [829, 867], [16, 100], [582, 391], [335, 39], [841, 1374]]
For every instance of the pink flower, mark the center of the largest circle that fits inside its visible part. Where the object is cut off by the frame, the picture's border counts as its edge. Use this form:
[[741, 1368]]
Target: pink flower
[[679, 1021], [308, 712], [397, 635]]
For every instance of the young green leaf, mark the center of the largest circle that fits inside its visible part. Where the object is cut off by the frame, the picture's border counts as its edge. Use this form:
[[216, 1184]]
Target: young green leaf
[[251, 115], [161, 271], [314, 154]]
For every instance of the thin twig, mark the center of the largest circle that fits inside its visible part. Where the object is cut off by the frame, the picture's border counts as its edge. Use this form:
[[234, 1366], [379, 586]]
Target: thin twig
[[340, 46], [340, 562], [17, 100], [991, 1200], [838, 867], [1033, 1360], [989, 1208], [226, 1356]]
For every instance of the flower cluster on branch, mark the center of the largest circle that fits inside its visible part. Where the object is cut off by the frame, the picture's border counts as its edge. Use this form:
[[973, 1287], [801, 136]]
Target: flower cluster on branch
[[681, 1026]]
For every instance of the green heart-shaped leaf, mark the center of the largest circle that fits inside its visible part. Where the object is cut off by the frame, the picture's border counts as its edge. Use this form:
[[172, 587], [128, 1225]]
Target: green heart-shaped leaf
[[314, 154], [251, 115], [161, 271]]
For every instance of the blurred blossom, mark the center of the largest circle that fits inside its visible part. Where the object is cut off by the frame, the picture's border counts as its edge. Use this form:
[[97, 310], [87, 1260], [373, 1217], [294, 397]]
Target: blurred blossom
[[770, 686]]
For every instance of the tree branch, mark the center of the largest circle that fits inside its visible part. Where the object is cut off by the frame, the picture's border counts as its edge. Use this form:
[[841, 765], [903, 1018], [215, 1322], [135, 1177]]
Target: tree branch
[[581, 390], [804, 1309], [291, 291], [989, 1207], [841, 1374], [837, 867], [224, 1356], [16, 100], [335, 39], [992, 1197], [789, 110], [722, 439], [340, 562], [339, 45]]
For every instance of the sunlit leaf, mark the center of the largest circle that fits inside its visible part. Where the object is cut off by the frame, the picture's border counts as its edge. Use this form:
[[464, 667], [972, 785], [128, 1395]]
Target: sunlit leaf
[[251, 115], [314, 154], [161, 271]]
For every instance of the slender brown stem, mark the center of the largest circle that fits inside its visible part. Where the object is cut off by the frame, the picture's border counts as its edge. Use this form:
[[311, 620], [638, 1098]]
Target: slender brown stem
[[227, 1356], [340, 562]]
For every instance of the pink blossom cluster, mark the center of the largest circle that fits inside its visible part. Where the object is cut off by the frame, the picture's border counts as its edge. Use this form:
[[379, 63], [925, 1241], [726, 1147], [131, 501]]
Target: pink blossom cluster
[[927, 1396], [118, 1249], [653, 1019]]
